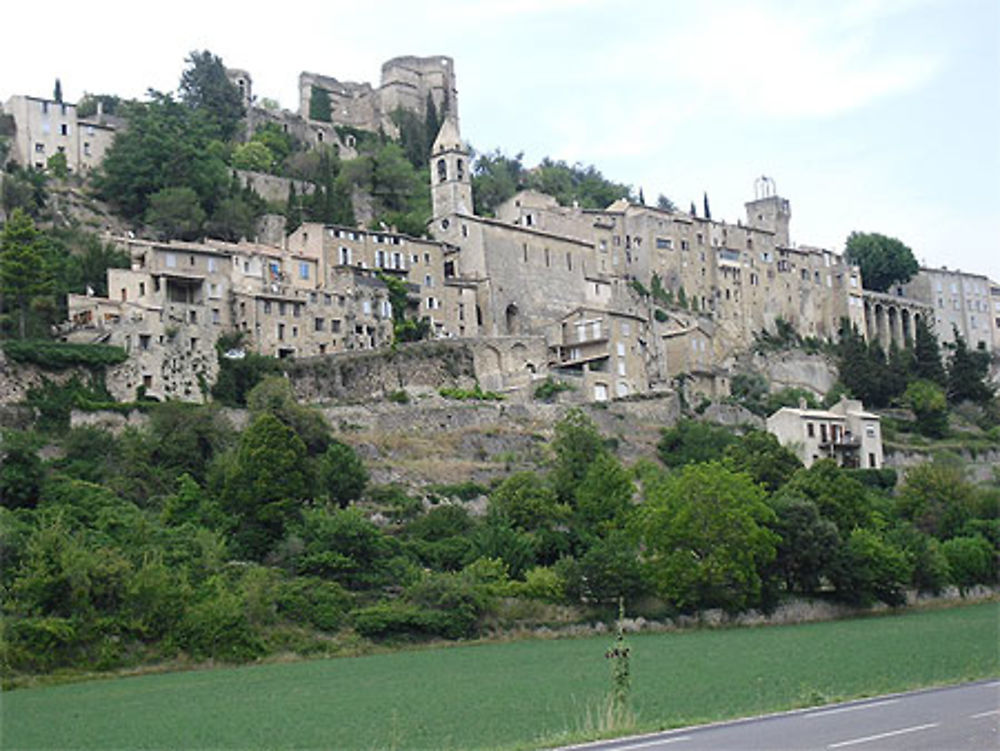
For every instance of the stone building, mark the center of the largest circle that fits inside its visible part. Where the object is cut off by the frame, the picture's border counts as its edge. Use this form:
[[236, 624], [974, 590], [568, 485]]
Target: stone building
[[845, 433], [407, 82], [957, 300], [44, 128]]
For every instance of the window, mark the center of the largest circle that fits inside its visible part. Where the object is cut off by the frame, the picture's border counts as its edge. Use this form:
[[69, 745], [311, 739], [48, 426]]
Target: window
[[143, 341], [810, 430], [39, 148], [335, 326], [216, 316], [281, 332], [380, 258], [303, 270], [626, 328], [318, 324], [569, 261], [366, 307], [428, 280], [442, 170], [64, 130], [345, 256], [664, 243], [211, 265], [621, 349], [171, 261], [281, 308], [267, 306]]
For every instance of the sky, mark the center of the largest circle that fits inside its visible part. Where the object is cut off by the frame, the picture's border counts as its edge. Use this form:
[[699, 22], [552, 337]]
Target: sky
[[870, 115]]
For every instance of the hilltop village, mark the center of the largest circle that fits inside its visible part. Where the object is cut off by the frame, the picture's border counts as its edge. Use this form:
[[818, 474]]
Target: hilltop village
[[615, 302]]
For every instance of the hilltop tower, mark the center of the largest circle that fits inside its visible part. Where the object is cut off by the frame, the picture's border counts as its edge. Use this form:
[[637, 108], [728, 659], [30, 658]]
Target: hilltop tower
[[451, 184], [769, 211]]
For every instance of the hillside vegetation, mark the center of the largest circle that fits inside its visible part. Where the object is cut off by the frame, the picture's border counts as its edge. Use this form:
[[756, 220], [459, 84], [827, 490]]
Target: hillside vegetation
[[188, 540]]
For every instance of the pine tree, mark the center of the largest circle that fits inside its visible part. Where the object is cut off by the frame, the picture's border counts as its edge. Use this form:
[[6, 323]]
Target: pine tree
[[968, 372], [24, 270], [432, 123]]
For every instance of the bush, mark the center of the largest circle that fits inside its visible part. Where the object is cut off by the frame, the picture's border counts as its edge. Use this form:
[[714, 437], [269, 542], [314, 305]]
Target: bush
[[970, 560], [388, 619], [62, 355], [878, 479], [549, 388], [470, 394], [313, 601]]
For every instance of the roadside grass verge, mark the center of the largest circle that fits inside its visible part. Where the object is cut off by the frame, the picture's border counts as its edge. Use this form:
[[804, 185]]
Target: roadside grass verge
[[516, 695]]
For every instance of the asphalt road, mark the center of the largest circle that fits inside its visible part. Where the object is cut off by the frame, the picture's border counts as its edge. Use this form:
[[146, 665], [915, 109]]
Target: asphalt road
[[959, 718]]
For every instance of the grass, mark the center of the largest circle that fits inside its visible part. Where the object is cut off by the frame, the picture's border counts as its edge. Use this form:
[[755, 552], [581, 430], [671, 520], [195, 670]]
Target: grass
[[515, 695]]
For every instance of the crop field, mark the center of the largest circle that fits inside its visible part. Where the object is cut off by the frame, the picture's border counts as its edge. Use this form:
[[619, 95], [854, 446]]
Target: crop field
[[512, 695]]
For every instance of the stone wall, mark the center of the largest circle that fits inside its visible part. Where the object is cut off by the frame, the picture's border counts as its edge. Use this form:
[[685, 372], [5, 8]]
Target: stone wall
[[980, 466], [795, 369], [272, 187], [361, 376]]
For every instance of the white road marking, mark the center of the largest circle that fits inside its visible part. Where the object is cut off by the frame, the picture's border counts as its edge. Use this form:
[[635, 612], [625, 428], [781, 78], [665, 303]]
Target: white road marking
[[984, 714], [873, 705], [889, 734], [659, 742]]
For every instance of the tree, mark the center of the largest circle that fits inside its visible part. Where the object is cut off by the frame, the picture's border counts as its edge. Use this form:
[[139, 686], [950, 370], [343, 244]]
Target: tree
[[342, 474], [937, 498], [930, 405], [708, 211], [274, 395], [760, 455], [838, 496], [662, 202], [968, 374], [577, 445], [204, 86], [870, 568], [253, 156], [57, 166], [24, 271], [971, 561], [604, 496], [495, 178], [166, 145], [927, 356], [706, 537], [807, 546], [266, 485], [175, 213], [883, 260], [690, 441], [57, 94], [21, 471], [232, 220], [319, 104]]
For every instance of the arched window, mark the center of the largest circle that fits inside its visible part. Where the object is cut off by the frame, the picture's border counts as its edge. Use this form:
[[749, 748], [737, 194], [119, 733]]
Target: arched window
[[442, 171], [460, 169]]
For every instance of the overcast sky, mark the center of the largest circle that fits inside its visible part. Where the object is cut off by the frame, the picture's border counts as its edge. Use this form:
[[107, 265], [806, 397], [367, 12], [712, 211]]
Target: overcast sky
[[875, 115]]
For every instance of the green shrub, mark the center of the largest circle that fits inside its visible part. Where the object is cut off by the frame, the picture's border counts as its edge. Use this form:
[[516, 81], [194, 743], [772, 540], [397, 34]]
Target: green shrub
[[313, 601], [388, 619], [878, 479], [660, 315], [476, 394], [547, 390], [62, 355], [399, 397]]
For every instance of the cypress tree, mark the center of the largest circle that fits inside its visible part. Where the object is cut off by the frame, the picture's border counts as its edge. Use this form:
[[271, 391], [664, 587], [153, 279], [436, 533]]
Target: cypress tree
[[708, 211], [927, 357]]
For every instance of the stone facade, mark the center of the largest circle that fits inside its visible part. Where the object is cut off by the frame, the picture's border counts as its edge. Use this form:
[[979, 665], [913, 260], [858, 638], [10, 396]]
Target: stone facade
[[960, 301], [44, 127], [407, 83]]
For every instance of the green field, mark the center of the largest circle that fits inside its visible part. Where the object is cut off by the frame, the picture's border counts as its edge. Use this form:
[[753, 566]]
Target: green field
[[507, 695]]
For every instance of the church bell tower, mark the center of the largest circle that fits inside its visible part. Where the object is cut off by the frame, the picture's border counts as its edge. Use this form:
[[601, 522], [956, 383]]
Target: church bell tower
[[451, 183]]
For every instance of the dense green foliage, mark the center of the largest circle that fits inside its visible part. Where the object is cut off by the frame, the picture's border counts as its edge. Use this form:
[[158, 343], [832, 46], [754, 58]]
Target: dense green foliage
[[516, 695], [916, 377], [884, 261], [187, 539], [52, 355], [497, 177]]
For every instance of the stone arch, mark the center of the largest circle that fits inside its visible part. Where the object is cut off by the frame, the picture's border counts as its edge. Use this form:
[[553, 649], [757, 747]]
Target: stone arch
[[518, 356], [512, 319]]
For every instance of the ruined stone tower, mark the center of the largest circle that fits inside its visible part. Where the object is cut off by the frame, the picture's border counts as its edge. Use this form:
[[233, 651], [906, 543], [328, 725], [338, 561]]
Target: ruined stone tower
[[451, 185]]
